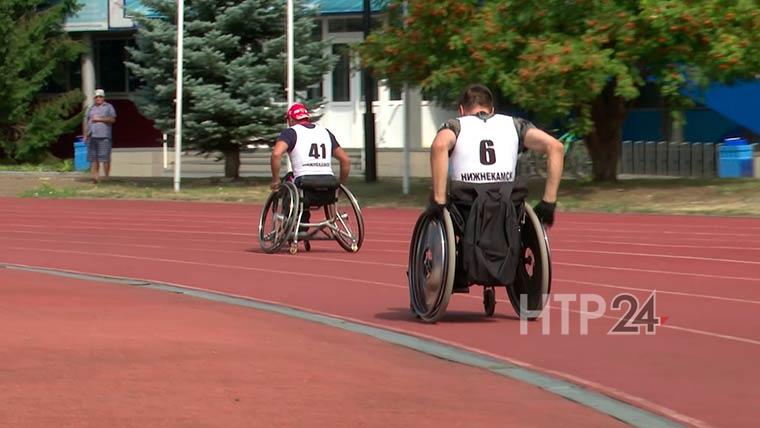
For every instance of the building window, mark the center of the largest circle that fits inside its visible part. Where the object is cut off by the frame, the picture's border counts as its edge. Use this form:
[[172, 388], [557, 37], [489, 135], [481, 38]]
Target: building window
[[110, 69], [111, 74], [66, 77], [314, 92], [350, 25], [341, 74]]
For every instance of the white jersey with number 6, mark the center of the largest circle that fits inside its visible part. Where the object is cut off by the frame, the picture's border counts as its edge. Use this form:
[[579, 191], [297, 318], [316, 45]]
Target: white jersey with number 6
[[312, 151], [486, 149]]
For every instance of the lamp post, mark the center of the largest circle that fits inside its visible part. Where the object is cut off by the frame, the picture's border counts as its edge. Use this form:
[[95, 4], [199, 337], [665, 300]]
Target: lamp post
[[370, 168], [178, 97]]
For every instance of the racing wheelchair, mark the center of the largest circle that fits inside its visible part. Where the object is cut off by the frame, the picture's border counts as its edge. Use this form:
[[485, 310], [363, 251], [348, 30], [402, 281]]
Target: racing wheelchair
[[285, 218], [435, 271]]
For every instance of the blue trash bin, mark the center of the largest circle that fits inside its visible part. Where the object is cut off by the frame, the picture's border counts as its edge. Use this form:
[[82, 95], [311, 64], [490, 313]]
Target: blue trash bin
[[735, 158], [80, 155]]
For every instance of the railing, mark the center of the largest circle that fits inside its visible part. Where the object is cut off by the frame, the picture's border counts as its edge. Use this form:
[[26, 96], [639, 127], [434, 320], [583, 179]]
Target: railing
[[688, 159], [652, 158]]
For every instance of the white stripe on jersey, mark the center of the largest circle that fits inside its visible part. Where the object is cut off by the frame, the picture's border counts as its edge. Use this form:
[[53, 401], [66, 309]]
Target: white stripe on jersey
[[485, 151], [312, 153]]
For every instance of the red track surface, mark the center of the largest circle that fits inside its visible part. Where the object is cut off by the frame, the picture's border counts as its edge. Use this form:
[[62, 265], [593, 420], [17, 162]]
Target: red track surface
[[700, 367], [103, 355]]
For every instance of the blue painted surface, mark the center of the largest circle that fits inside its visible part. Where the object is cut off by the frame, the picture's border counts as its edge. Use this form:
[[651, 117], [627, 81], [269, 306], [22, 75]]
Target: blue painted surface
[[643, 125], [349, 6], [739, 102], [702, 125]]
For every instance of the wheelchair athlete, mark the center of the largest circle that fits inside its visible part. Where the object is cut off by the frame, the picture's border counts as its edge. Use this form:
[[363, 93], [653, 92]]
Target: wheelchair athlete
[[310, 148], [480, 150]]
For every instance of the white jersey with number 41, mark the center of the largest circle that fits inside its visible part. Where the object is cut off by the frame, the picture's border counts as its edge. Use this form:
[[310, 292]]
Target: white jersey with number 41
[[312, 153]]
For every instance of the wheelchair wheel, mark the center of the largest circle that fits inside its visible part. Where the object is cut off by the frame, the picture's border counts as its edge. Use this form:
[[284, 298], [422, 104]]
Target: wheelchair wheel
[[534, 276], [348, 220], [432, 264], [278, 218], [489, 301]]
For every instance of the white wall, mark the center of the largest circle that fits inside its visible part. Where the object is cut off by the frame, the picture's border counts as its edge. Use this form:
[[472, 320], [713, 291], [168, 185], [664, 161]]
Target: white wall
[[346, 119]]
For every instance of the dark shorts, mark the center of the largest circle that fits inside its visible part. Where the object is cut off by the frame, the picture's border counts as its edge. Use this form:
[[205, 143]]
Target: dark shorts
[[99, 150]]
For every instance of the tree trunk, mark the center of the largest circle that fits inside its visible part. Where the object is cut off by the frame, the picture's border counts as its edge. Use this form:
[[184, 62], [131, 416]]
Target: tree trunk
[[232, 162], [604, 143]]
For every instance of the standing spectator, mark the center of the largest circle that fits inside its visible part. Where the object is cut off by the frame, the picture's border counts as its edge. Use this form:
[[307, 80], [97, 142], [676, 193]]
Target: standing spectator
[[97, 134]]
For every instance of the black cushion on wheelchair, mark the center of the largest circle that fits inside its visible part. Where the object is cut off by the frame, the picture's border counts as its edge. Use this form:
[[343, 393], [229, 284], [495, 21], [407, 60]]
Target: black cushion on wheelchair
[[318, 189], [488, 247]]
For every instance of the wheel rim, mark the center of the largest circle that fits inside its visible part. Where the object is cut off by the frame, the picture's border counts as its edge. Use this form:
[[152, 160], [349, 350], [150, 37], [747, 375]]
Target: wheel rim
[[431, 269], [534, 270], [276, 219], [348, 220]]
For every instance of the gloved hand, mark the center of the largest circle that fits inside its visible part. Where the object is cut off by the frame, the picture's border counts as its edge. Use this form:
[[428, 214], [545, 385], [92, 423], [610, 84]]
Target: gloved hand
[[434, 209], [545, 212]]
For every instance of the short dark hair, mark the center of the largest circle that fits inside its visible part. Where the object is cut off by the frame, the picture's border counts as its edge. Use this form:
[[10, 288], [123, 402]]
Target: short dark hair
[[476, 95]]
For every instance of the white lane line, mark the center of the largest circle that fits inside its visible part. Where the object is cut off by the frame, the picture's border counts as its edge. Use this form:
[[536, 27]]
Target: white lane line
[[659, 256], [662, 272], [333, 277]]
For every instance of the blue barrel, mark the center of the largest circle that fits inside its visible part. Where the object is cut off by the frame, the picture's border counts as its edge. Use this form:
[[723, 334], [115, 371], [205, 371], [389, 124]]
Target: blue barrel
[[80, 155], [735, 158]]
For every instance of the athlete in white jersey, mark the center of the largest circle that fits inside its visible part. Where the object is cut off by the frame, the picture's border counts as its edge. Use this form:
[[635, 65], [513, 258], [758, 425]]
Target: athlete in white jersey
[[310, 147], [483, 148]]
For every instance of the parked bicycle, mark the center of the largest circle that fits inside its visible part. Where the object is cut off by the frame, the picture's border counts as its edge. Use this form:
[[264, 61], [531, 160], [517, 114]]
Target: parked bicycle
[[577, 162]]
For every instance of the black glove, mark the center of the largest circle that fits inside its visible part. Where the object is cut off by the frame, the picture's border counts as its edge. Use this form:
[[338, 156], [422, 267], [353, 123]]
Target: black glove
[[545, 212], [434, 209]]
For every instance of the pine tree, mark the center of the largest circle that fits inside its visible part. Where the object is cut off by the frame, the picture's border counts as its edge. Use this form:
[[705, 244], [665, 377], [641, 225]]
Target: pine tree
[[33, 46], [234, 70]]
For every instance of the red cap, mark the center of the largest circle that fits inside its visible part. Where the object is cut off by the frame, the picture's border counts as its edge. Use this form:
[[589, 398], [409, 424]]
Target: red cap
[[298, 111]]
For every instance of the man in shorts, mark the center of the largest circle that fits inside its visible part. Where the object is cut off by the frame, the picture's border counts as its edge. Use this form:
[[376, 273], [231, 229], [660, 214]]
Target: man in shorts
[[98, 136]]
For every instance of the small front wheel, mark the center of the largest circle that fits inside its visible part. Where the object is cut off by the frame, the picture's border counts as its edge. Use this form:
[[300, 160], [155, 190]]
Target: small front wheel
[[489, 301]]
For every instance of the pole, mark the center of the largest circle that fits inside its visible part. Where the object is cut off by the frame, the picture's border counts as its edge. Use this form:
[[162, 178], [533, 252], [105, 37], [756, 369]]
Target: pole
[[407, 130], [407, 138], [290, 85], [165, 146], [291, 95], [370, 169], [178, 98]]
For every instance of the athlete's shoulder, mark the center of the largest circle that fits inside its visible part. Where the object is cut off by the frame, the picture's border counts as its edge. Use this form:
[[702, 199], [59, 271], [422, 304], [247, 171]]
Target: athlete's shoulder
[[452, 124]]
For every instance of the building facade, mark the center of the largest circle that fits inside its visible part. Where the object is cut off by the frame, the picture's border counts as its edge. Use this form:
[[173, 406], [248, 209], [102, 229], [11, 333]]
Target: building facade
[[107, 30]]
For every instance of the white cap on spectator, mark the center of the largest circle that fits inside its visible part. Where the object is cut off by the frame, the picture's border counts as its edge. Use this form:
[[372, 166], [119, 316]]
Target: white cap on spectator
[[100, 93]]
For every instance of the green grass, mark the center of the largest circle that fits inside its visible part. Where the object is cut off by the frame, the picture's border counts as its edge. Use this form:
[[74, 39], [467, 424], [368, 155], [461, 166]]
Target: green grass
[[53, 165], [48, 191], [667, 195]]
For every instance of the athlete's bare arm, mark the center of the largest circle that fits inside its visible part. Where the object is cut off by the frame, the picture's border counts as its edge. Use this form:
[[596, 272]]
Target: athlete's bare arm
[[439, 162], [345, 164], [541, 142], [279, 149]]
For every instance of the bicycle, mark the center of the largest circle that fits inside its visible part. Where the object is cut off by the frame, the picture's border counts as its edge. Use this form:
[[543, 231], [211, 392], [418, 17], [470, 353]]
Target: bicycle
[[577, 162]]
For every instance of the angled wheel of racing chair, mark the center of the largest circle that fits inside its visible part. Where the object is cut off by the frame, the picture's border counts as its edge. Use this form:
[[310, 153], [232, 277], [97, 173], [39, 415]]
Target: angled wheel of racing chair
[[281, 218], [432, 267]]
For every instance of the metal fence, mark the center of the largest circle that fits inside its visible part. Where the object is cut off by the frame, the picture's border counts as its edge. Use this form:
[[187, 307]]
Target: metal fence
[[670, 158]]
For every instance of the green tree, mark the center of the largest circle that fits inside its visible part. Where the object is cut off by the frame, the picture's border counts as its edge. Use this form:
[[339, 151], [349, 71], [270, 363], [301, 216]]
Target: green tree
[[33, 46], [234, 67], [581, 61]]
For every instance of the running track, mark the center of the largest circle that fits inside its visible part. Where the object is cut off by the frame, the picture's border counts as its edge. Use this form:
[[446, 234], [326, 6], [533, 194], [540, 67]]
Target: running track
[[701, 368]]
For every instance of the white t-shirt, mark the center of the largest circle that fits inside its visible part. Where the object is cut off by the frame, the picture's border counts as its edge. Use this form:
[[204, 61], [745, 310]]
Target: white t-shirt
[[310, 148], [486, 148]]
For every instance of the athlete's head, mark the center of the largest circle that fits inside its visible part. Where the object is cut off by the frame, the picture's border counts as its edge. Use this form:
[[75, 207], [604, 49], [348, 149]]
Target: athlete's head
[[475, 98], [297, 113]]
